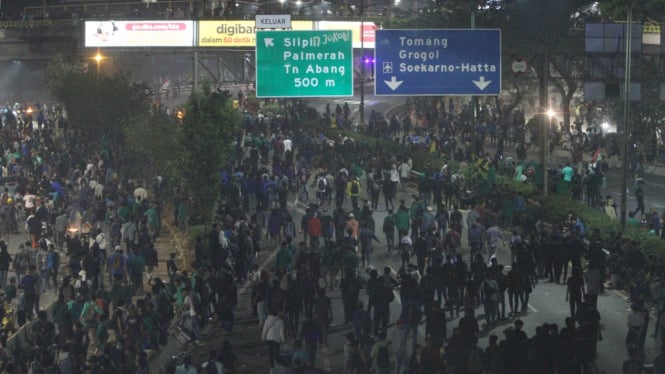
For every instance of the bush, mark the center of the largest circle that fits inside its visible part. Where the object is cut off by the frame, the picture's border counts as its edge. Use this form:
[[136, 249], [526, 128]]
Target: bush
[[557, 207], [528, 190], [198, 230]]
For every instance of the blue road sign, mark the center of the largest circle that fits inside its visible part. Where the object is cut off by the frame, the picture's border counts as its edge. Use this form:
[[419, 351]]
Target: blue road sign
[[438, 62]]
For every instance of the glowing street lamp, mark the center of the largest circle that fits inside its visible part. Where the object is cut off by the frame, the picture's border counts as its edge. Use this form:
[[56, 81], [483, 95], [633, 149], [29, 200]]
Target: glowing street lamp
[[98, 59]]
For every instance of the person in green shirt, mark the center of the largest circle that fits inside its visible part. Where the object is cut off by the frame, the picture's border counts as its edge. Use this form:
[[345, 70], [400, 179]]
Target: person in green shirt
[[74, 307], [402, 220], [102, 331], [330, 264], [179, 296], [507, 211], [633, 220], [89, 317], [10, 290], [124, 213], [182, 211], [152, 214], [284, 258], [389, 230], [150, 320], [58, 310], [350, 262], [136, 268], [416, 212]]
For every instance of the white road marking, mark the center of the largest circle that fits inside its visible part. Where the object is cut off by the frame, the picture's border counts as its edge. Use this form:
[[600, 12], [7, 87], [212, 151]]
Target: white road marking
[[325, 356], [263, 265], [532, 308]]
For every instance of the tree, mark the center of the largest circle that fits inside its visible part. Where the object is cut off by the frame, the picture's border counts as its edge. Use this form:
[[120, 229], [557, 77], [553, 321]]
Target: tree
[[205, 138], [151, 137], [99, 105], [618, 9]]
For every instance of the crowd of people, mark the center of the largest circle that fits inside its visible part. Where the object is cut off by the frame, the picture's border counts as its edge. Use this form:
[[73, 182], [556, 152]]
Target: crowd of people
[[91, 243], [333, 248], [89, 254]]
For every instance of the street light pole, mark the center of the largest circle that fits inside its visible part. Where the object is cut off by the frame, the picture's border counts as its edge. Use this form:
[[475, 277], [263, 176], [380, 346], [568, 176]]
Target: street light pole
[[474, 102], [362, 64], [626, 110], [545, 120], [98, 60]]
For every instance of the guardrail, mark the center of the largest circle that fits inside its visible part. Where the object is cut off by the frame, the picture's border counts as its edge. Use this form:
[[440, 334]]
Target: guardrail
[[102, 8], [39, 23]]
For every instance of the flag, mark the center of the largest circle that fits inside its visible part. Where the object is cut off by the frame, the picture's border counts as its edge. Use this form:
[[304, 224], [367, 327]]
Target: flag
[[595, 156]]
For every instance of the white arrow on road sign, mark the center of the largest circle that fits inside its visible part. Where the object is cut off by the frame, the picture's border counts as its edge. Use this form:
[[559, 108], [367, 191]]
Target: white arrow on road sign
[[482, 83], [269, 42], [393, 83]]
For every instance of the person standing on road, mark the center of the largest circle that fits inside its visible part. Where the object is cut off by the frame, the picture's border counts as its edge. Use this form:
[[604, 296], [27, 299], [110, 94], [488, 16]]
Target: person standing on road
[[594, 284], [636, 324], [381, 355], [274, 335], [374, 186], [390, 188], [353, 190], [567, 173], [384, 296], [30, 283], [311, 333], [366, 236], [639, 196], [23, 260], [402, 220], [515, 289], [5, 259], [323, 315], [389, 230], [42, 263], [574, 292], [416, 212], [350, 287], [493, 235]]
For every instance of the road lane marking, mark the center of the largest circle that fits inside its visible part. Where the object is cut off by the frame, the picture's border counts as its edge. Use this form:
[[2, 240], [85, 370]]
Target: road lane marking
[[532, 308], [325, 356]]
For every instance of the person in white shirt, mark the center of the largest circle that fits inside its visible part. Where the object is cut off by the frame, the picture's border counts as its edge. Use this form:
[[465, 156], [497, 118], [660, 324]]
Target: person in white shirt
[[274, 335], [29, 202], [288, 145], [212, 360], [140, 194], [493, 235], [404, 170], [186, 367], [593, 281], [190, 313]]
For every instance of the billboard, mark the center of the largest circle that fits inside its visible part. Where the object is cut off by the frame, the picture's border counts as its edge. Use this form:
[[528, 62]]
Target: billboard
[[140, 33], [222, 33], [368, 29]]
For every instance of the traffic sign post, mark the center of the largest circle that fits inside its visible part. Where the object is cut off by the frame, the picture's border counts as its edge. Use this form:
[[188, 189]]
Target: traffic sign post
[[304, 63], [438, 62]]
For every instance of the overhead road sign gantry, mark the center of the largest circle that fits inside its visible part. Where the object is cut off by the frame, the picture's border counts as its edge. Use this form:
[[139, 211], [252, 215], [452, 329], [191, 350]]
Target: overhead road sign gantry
[[304, 63], [438, 62]]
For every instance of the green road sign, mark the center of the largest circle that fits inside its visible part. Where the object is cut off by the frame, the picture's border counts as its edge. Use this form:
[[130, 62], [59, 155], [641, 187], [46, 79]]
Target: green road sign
[[304, 63]]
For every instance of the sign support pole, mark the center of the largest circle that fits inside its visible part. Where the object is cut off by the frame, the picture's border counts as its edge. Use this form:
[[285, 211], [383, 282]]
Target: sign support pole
[[626, 110], [474, 102], [362, 64], [544, 119], [195, 72]]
